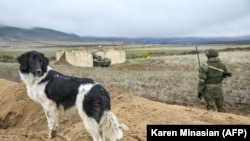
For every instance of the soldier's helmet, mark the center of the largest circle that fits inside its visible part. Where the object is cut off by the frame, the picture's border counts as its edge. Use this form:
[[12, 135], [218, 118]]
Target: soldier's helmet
[[211, 53]]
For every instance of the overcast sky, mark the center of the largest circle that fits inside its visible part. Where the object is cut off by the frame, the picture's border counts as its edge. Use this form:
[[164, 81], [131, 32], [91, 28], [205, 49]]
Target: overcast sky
[[131, 18]]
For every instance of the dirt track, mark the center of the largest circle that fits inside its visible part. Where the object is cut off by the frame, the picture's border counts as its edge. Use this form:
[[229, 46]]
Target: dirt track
[[21, 119]]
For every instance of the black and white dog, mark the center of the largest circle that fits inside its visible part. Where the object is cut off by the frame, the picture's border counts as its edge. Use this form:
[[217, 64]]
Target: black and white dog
[[53, 89]]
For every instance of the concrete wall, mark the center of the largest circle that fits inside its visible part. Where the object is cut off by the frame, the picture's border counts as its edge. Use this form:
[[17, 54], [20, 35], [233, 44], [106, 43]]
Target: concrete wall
[[81, 58], [84, 58], [116, 56]]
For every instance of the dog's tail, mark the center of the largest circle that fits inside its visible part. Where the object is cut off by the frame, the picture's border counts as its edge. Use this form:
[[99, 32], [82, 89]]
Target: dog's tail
[[110, 126]]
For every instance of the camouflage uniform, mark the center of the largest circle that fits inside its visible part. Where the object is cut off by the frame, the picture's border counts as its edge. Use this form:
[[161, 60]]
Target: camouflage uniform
[[210, 81]]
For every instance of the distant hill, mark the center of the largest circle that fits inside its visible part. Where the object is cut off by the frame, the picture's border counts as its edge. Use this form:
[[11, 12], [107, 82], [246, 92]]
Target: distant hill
[[194, 40], [14, 33], [8, 33]]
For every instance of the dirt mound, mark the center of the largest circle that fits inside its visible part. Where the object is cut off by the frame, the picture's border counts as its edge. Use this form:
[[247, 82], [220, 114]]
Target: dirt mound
[[22, 119], [62, 61]]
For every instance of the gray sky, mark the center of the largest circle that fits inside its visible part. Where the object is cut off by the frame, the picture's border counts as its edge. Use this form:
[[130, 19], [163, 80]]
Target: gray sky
[[131, 18]]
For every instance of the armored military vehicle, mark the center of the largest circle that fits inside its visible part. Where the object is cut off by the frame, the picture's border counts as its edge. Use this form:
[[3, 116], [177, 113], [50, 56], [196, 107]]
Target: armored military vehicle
[[98, 61]]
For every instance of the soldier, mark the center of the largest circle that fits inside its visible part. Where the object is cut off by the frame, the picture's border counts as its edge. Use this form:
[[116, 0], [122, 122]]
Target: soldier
[[211, 75]]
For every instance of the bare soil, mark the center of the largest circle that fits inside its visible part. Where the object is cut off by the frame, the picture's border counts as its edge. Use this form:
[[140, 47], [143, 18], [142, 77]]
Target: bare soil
[[22, 119]]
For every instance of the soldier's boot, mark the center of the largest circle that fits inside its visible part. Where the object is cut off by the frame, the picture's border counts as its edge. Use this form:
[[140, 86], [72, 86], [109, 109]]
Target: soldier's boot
[[221, 109], [219, 104], [211, 108]]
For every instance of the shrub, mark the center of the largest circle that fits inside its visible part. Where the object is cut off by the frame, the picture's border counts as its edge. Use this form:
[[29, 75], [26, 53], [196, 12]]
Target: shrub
[[143, 54]]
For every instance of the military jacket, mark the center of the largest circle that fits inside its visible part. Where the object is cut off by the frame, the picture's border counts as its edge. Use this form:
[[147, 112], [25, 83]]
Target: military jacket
[[211, 73]]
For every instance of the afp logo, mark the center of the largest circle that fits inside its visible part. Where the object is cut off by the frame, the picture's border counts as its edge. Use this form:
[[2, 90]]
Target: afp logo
[[234, 133]]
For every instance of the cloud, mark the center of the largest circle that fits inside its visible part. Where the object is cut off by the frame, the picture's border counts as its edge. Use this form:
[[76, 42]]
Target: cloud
[[131, 18]]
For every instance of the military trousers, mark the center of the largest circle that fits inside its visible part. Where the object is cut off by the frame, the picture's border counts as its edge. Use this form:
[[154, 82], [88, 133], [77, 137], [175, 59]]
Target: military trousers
[[213, 95]]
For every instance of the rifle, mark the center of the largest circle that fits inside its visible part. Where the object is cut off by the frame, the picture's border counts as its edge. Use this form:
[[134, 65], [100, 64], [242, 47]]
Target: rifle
[[224, 74], [198, 58], [200, 94]]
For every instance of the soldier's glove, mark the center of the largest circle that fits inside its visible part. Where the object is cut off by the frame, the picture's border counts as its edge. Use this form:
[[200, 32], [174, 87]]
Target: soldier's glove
[[200, 95], [227, 75]]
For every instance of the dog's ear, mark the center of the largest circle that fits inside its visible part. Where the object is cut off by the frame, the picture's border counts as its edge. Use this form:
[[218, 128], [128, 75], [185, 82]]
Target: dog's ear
[[45, 63], [23, 61]]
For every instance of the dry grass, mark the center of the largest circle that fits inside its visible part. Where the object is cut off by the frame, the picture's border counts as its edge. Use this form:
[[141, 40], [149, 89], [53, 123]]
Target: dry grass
[[169, 79], [174, 79]]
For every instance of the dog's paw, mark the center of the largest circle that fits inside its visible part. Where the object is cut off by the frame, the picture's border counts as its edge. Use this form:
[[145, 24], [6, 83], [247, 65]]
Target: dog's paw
[[123, 126], [51, 134]]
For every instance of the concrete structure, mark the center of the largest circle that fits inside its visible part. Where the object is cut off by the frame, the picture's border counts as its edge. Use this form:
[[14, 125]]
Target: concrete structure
[[84, 58], [81, 58], [116, 56]]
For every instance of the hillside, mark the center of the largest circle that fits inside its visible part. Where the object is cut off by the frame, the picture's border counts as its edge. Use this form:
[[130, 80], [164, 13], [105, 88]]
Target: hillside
[[8, 33], [22, 119], [39, 34]]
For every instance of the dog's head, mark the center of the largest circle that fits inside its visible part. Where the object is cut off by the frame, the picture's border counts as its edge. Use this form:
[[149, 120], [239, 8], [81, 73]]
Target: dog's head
[[33, 62]]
